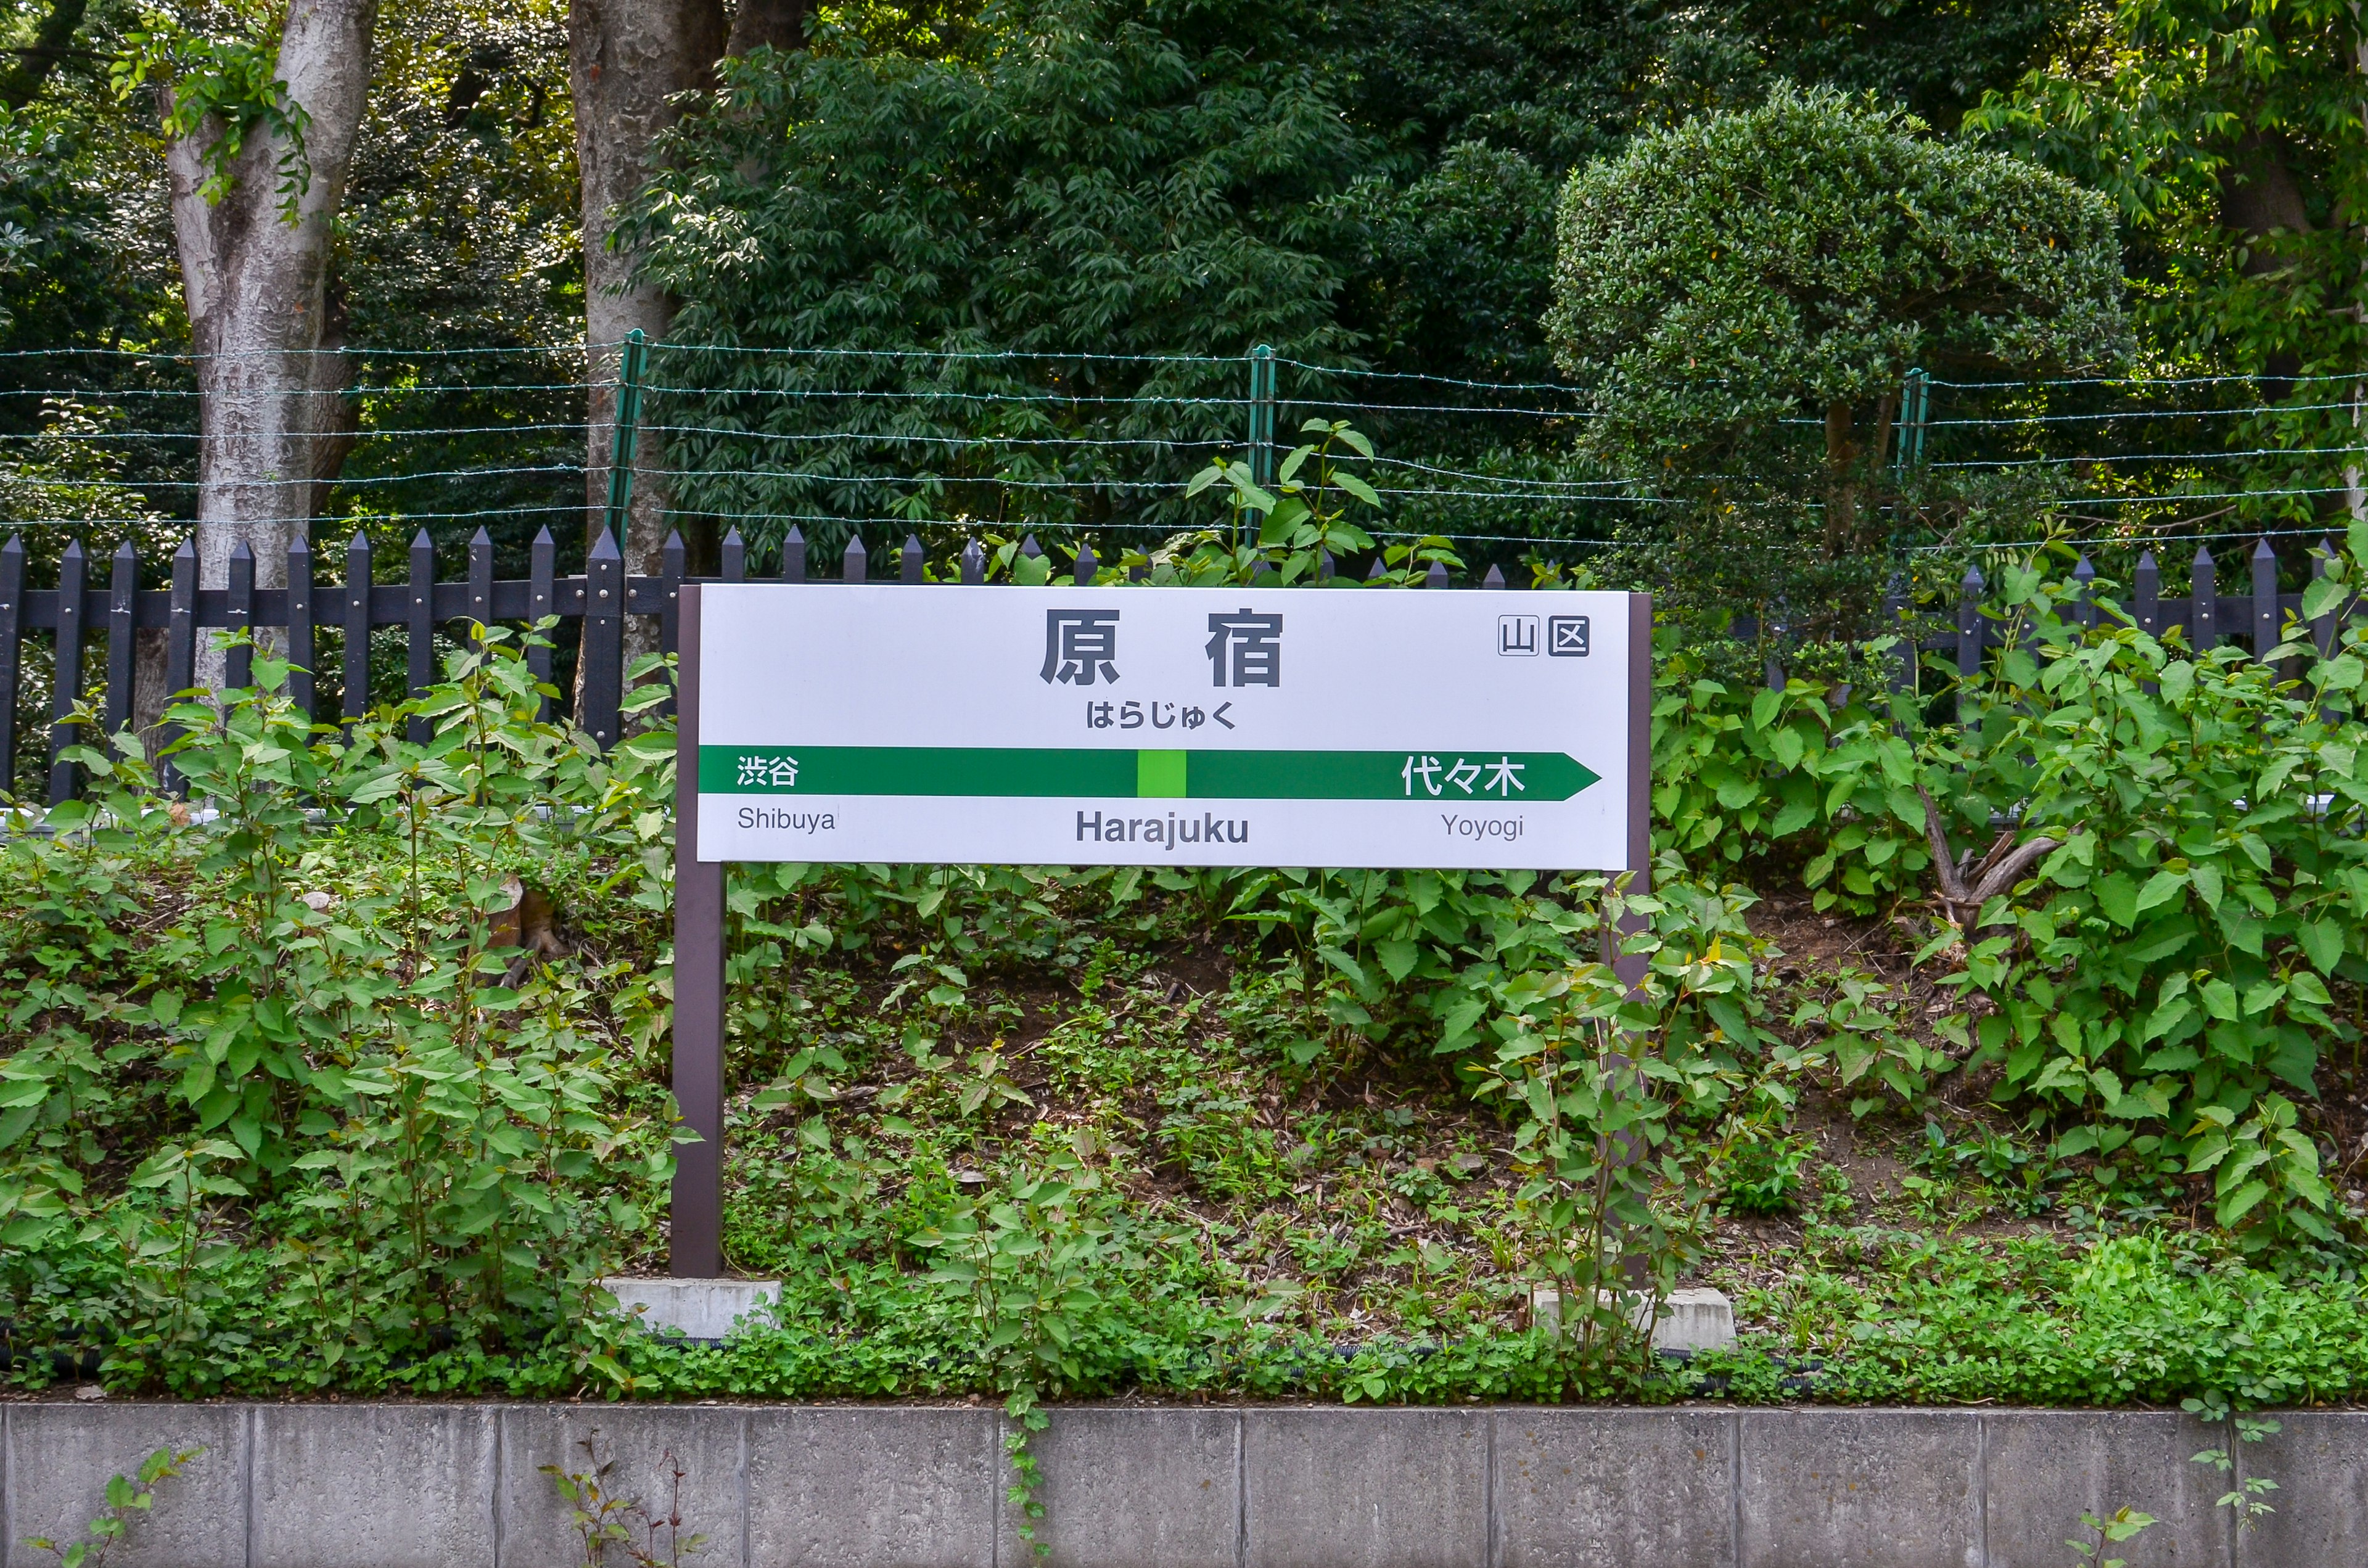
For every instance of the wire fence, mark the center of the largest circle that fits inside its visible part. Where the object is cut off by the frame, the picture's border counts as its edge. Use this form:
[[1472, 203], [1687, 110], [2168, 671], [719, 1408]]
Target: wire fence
[[843, 442]]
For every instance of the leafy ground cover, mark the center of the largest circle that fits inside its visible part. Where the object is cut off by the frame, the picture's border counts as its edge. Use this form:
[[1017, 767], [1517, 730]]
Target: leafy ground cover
[[346, 1071]]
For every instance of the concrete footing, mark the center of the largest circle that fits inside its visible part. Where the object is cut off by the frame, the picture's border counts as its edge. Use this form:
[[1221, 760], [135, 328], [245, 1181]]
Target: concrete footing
[[699, 1308], [462, 1485]]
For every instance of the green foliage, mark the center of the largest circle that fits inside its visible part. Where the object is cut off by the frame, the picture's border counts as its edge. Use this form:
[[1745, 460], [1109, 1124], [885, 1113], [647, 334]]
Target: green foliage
[[1742, 295], [2122, 1523], [2229, 134], [2173, 962], [326, 1049], [126, 1497], [1089, 180], [220, 90], [606, 1523]]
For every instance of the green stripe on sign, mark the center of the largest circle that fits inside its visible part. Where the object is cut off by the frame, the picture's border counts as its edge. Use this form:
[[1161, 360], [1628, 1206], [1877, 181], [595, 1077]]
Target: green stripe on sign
[[1159, 775], [1097, 774]]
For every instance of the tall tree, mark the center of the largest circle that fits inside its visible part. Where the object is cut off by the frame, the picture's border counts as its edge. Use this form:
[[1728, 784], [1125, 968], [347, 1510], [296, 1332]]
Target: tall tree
[[2233, 134], [1743, 296], [628, 60], [261, 129]]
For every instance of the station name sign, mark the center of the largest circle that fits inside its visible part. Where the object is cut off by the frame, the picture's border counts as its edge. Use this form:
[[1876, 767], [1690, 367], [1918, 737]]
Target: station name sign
[[1163, 726]]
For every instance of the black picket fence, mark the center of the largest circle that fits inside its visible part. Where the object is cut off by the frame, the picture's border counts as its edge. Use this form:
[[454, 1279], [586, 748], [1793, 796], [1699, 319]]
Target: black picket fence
[[76, 609]]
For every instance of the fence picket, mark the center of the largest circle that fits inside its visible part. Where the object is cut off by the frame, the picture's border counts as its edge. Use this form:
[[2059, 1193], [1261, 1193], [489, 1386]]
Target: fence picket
[[123, 609], [2149, 595], [854, 563], [12, 631], [793, 556], [301, 689], [481, 578], [2265, 599], [2204, 628], [1969, 639], [238, 659], [604, 640], [541, 601], [910, 570], [65, 674], [422, 618], [181, 645], [358, 626]]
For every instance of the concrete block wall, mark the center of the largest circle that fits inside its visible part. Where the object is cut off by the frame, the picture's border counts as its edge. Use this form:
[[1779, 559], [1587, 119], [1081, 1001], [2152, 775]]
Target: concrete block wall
[[459, 1485]]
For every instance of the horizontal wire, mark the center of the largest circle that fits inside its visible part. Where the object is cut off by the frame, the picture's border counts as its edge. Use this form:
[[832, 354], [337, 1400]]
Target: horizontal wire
[[2140, 382], [361, 520], [7, 478], [2153, 457], [948, 354], [924, 395], [2169, 500], [1434, 380], [167, 357], [2105, 541], [1494, 478], [2008, 422], [374, 433], [109, 394], [893, 438]]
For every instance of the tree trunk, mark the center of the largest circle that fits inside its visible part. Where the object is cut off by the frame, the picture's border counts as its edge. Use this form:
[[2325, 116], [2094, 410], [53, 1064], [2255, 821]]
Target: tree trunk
[[256, 282], [626, 59]]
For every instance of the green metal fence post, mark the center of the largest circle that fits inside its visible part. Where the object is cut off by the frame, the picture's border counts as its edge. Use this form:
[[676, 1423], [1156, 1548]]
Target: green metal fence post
[[1915, 410], [1261, 426], [627, 424]]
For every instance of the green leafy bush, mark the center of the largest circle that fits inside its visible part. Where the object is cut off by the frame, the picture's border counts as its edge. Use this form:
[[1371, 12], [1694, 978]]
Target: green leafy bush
[[301, 1109]]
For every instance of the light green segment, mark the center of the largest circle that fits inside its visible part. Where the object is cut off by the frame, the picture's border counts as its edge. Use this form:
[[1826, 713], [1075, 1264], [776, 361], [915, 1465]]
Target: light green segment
[[1159, 775]]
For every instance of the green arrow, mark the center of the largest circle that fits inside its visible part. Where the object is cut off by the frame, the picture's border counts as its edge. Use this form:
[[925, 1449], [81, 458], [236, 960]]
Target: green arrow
[[1079, 773]]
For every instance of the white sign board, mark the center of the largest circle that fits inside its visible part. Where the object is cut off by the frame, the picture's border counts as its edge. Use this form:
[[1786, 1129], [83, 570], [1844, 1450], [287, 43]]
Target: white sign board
[[1156, 726]]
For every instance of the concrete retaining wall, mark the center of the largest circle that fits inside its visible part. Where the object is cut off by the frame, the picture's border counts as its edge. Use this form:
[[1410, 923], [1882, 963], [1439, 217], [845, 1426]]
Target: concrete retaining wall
[[906, 1486]]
